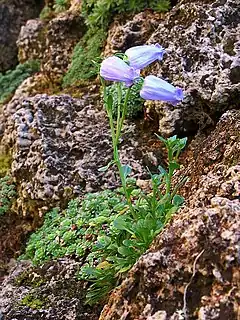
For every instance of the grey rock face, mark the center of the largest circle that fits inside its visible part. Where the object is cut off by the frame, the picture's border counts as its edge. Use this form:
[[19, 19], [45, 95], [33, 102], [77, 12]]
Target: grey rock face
[[202, 42], [51, 42], [14, 14], [29, 45], [49, 292], [58, 144], [123, 35]]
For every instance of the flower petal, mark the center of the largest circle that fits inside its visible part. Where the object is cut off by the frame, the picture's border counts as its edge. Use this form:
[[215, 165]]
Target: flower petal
[[115, 69], [158, 89], [141, 56]]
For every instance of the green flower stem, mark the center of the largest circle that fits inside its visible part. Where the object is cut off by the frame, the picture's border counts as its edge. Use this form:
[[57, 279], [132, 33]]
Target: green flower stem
[[116, 136], [123, 113], [119, 109], [168, 181], [123, 179], [109, 112]]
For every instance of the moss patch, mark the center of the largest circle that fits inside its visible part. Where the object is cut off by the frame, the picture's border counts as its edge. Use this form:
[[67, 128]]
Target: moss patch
[[33, 302], [5, 164], [27, 278], [85, 53], [13, 78]]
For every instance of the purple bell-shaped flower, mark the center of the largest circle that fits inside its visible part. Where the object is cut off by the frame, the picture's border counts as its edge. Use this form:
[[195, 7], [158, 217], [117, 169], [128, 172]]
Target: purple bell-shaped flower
[[155, 88], [141, 56], [115, 69]]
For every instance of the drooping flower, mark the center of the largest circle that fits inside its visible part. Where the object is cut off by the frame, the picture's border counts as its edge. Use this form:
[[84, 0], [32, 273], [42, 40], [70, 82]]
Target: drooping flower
[[115, 69], [141, 56], [155, 88]]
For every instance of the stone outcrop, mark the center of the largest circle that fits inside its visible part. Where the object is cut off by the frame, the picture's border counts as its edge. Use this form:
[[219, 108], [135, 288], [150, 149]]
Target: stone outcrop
[[202, 56], [58, 144], [13, 15], [28, 294], [202, 41], [51, 42], [192, 269], [123, 35]]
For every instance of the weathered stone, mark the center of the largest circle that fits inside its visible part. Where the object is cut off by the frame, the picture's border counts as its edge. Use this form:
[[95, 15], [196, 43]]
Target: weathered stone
[[14, 14], [49, 292], [58, 144], [192, 269], [51, 42], [31, 41], [202, 42], [123, 35], [202, 56]]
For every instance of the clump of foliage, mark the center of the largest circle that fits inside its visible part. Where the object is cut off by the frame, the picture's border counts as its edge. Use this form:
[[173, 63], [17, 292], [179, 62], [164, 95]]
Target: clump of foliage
[[132, 231], [74, 230], [98, 15], [134, 103], [102, 231], [13, 78], [45, 13], [61, 5], [84, 55], [100, 12], [7, 194]]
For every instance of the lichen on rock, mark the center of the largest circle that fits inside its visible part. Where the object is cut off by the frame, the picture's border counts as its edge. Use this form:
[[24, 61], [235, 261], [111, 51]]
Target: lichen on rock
[[58, 295], [199, 58]]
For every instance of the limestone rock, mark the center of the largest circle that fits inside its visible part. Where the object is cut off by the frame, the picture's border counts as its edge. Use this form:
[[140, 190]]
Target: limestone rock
[[49, 292], [123, 35], [202, 42], [192, 268], [51, 42], [31, 41], [14, 14], [202, 56], [58, 144]]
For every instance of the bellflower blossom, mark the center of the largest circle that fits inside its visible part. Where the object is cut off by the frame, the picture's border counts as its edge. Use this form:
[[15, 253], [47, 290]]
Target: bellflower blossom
[[115, 69], [157, 89], [141, 56]]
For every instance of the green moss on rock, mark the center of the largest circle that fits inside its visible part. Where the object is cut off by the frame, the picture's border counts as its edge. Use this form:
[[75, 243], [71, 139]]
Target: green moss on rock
[[33, 302], [5, 164], [13, 78], [85, 53], [27, 278]]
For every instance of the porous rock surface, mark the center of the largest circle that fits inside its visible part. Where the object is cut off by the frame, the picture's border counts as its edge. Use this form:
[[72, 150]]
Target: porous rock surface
[[51, 42], [192, 269], [202, 43], [203, 57], [13, 15], [50, 292], [123, 35], [57, 145]]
